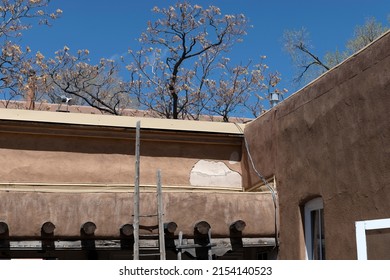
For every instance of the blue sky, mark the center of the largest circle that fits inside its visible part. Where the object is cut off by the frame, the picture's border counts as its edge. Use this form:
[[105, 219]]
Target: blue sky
[[109, 28]]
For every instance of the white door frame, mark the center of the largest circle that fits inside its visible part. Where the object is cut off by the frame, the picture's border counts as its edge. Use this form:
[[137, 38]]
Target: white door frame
[[361, 227], [312, 205]]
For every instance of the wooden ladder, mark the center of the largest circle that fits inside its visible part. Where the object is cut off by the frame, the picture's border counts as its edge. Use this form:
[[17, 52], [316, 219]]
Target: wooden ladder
[[142, 243]]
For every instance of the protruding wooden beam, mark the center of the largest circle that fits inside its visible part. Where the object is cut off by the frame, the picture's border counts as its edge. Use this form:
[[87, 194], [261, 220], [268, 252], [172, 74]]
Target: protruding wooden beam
[[3, 227], [238, 225], [202, 227], [88, 228], [127, 230], [170, 227], [48, 228]]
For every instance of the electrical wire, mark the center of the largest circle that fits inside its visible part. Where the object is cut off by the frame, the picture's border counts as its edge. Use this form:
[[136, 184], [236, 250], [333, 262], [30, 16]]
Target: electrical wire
[[265, 183]]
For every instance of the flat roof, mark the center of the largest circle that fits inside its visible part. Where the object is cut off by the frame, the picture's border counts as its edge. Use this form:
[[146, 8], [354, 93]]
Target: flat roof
[[120, 121]]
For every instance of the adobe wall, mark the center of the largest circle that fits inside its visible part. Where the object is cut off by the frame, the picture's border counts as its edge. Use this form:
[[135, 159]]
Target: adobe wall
[[330, 139], [26, 211], [63, 154]]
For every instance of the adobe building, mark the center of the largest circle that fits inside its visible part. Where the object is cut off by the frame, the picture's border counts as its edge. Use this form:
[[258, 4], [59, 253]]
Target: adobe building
[[328, 146], [67, 187], [299, 182]]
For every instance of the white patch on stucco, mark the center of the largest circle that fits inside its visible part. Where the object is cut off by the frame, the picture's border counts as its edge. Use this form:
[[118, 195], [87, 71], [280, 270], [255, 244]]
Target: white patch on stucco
[[234, 158], [214, 174]]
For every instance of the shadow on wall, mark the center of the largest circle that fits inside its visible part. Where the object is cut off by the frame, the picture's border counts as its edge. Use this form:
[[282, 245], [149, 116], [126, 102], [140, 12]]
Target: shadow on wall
[[4, 241]]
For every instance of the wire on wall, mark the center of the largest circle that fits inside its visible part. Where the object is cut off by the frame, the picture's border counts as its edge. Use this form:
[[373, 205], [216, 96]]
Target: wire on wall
[[269, 187]]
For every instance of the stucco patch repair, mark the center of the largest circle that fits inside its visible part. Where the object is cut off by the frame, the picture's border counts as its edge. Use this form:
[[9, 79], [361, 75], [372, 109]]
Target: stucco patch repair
[[214, 174]]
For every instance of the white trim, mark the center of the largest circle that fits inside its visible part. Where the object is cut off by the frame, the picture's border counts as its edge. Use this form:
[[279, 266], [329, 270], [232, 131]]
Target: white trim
[[361, 242], [312, 205], [361, 227]]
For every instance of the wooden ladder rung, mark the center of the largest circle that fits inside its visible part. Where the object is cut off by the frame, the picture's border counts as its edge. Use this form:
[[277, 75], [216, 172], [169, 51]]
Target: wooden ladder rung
[[149, 235], [189, 246], [149, 254], [149, 248], [147, 216]]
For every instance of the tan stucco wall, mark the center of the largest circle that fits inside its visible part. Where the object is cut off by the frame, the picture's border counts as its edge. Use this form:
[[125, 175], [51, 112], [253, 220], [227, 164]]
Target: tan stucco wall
[[47, 153], [330, 139], [26, 212]]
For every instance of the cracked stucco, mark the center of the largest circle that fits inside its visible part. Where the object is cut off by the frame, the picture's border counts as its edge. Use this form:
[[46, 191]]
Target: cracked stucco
[[214, 174]]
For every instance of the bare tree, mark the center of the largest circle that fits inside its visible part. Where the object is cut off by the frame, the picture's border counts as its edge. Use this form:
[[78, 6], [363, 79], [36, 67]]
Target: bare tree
[[14, 15], [180, 70], [241, 89], [178, 53], [264, 88], [97, 85], [310, 65], [365, 34], [17, 64], [296, 43]]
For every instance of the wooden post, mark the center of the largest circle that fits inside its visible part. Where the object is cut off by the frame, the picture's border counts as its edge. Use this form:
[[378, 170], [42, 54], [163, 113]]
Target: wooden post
[[160, 217], [136, 192], [210, 252], [180, 243]]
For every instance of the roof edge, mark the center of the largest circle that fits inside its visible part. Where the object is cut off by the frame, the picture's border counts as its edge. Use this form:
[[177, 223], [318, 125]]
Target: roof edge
[[121, 121]]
